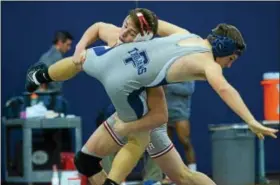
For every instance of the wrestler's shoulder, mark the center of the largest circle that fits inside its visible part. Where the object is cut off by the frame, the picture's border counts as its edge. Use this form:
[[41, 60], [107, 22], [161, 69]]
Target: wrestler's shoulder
[[109, 26], [109, 33]]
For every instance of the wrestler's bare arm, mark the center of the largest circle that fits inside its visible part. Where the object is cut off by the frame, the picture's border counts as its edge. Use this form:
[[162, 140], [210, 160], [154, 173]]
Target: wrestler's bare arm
[[103, 31], [157, 114], [109, 32], [166, 29], [231, 97], [100, 30], [213, 73]]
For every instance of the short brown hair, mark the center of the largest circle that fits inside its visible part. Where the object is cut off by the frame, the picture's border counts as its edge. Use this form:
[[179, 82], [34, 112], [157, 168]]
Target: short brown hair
[[150, 17], [229, 31]]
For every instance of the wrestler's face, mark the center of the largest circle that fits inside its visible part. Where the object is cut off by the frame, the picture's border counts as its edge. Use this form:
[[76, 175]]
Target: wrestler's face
[[226, 62], [128, 31]]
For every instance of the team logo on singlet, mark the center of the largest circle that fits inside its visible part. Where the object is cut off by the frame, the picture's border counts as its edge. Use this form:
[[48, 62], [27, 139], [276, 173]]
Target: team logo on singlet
[[139, 60]]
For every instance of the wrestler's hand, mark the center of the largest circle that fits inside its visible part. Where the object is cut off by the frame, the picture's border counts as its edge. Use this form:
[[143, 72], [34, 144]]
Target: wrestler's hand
[[120, 127], [79, 55], [261, 130]]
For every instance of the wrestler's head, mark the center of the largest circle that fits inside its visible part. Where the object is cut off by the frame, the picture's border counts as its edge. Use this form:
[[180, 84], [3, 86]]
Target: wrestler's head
[[141, 24], [227, 44]]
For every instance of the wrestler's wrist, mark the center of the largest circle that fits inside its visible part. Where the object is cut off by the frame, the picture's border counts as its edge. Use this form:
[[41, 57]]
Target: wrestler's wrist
[[81, 46], [252, 121]]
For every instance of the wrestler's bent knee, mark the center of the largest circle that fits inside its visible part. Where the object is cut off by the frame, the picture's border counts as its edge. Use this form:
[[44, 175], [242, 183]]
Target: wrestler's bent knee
[[87, 165]]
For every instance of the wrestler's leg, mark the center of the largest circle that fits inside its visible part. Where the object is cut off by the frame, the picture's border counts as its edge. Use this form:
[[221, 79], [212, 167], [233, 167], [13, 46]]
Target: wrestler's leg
[[40, 73], [99, 178], [170, 162], [128, 156], [170, 132], [173, 166], [100, 144], [63, 70], [152, 171], [106, 164]]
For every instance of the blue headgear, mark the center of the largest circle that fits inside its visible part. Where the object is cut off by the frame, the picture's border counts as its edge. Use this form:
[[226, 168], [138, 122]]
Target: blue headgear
[[224, 46]]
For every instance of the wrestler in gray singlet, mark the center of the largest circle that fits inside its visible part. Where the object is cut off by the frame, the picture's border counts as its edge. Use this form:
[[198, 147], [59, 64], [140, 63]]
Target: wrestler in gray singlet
[[127, 69]]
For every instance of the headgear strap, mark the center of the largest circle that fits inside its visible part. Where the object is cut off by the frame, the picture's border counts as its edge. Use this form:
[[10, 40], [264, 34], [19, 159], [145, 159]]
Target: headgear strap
[[143, 22], [144, 35]]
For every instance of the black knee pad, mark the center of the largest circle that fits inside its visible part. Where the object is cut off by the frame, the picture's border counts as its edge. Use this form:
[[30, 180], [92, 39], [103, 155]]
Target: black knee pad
[[87, 165]]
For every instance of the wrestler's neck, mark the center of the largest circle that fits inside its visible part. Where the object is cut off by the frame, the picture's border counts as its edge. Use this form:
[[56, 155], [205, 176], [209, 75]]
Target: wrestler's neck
[[208, 43]]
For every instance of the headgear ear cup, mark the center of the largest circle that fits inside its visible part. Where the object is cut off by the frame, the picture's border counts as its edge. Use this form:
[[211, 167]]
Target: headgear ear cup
[[223, 46]]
